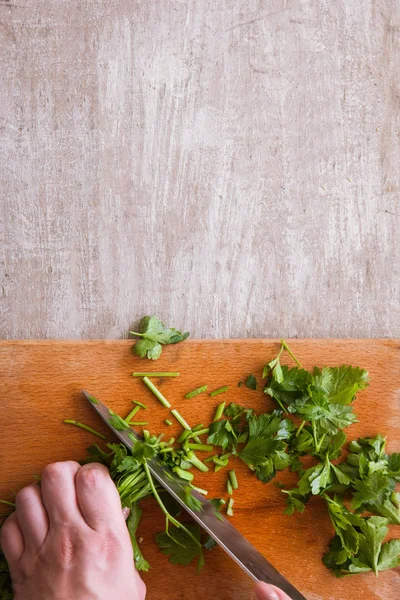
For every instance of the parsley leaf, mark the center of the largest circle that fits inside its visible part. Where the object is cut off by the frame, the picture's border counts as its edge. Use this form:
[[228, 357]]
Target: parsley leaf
[[340, 384], [344, 523], [222, 433], [251, 382], [154, 335], [180, 547], [376, 494], [265, 451]]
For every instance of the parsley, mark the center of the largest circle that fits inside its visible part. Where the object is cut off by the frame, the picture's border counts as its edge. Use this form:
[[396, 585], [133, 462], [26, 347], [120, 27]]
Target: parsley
[[132, 523], [181, 547], [372, 554], [251, 382], [154, 335]]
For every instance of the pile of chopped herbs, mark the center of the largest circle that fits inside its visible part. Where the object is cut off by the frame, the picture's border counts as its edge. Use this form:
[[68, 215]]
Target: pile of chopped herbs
[[313, 408]]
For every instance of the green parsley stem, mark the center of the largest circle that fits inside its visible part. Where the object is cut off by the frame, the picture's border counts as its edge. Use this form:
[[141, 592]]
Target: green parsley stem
[[200, 447], [229, 487], [284, 344], [198, 427], [233, 479], [168, 422], [196, 392], [156, 374], [300, 428], [219, 462], [185, 434], [186, 475], [7, 503], [210, 458], [200, 490], [196, 434], [168, 449], [156, 392], [219, 391], [225, 456], [180, 419], [138, 423], [229, 508], [196, 462], [132, 413], [220, 411], [139, 404], [86, 428]]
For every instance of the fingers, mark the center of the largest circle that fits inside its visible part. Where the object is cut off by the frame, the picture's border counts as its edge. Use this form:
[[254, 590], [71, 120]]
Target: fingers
[[98, 498], [11, 540], [59, 493], [264, 591], [31, 516]]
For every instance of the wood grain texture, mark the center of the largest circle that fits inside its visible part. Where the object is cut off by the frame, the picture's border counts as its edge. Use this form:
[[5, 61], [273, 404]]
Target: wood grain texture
[[231, 166], [40, 386]]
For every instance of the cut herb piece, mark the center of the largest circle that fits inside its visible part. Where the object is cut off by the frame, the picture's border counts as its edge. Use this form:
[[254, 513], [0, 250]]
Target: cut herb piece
[[220, 411], [85, 427], [200, 447], [251, 382], [156, 392], [229, 488], [117, 422], [168, 422], [196, 462], [180, 419], [219, 391], [133, 412], [139, 404], [196, 392], [295, 501], [222, 434], [229, 508], [233, 480], [138, 423], [156, 374], [154, 335]]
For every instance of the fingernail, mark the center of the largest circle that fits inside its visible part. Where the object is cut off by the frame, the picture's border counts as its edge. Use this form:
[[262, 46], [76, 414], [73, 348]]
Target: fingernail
[[125, 512], [265, 592]]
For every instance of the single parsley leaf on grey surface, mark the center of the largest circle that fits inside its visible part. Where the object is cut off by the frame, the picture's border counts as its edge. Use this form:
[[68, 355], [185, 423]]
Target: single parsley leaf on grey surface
[[180, 547], [132, 523], [251, 382], [155, 335]]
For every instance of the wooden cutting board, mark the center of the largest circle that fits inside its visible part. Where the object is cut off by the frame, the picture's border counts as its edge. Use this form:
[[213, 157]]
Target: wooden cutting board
[[40, 386]]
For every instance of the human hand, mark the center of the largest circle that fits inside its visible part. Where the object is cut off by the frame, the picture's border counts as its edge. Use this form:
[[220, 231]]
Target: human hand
[[264, 591], [68, 538]]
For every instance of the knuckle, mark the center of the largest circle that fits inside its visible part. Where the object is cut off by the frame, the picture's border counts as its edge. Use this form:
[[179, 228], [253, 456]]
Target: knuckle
[[93, 476], [66, 550], [58, 470], [25, 495]]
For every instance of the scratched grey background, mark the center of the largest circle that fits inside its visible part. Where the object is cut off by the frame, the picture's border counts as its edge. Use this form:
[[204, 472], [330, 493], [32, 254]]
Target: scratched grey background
[[232, 166]]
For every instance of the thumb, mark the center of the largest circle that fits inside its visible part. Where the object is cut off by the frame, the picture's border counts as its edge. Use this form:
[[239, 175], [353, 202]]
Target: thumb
[[264, 591]]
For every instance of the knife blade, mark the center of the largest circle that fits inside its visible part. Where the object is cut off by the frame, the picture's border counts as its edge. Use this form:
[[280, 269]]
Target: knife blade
[[211, 520]]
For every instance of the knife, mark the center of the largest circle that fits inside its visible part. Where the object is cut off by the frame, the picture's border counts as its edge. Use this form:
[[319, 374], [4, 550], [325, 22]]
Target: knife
[[211, 520]]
